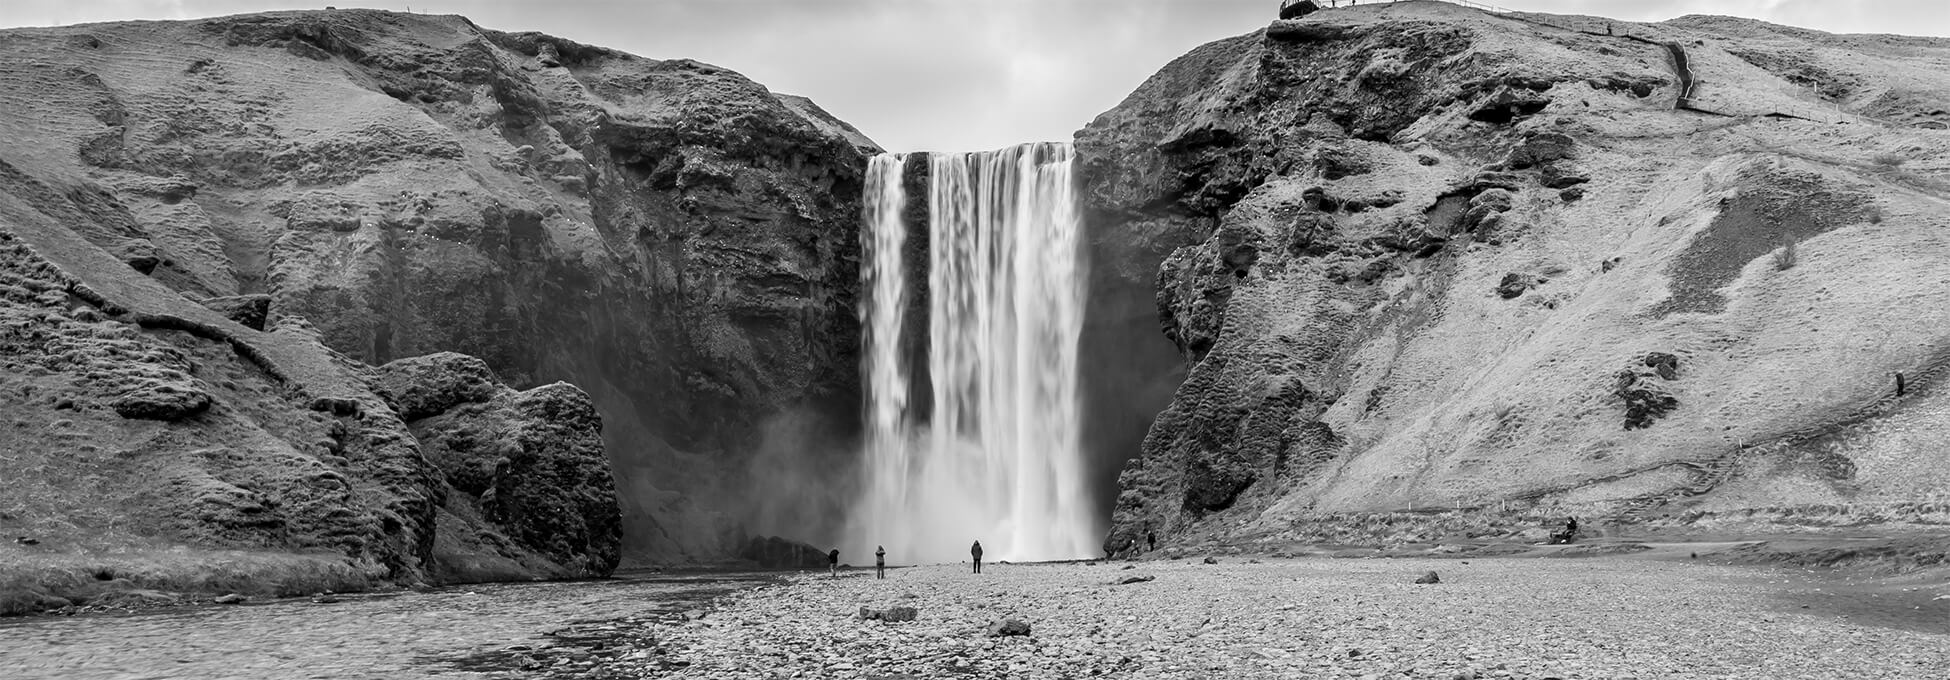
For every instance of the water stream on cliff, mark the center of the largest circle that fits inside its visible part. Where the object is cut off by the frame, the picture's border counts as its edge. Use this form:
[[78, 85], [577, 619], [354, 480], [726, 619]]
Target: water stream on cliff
[[999, 456]]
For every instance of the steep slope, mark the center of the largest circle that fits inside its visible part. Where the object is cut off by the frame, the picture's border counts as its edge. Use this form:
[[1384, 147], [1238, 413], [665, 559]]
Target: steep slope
[[1425, 257], [667, 235]]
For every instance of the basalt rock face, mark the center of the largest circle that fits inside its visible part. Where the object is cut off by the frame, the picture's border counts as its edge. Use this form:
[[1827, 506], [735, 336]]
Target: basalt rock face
[[1405, 251], [773, 552], [669, 236], [527, 466]]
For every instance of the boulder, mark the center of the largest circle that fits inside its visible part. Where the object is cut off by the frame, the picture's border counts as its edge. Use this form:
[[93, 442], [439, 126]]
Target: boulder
[[1540, 148], [1514, 284], [1008, 627], [1663, 364], [422, 386], [1128, 580], [1508, 105], [532, 464], [1294, 9], [1562, 175], [1645, 400], [1428, 578], [231, 598]]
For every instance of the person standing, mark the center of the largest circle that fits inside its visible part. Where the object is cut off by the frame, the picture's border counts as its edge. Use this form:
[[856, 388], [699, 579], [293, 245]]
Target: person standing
[[879, 562], [976, 552], [833, 562]]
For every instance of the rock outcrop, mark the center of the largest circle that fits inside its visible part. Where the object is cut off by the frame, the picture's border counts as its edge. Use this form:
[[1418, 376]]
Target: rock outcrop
[[669, 236], [774, 552], [526, 468], [141, 420], [1403, 252]]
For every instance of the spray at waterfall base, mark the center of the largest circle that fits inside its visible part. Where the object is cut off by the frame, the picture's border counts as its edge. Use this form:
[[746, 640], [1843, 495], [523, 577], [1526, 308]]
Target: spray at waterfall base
[[994, 453]]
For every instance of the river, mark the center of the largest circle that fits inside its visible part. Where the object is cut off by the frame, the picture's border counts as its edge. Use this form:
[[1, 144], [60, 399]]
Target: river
[[521, 630]]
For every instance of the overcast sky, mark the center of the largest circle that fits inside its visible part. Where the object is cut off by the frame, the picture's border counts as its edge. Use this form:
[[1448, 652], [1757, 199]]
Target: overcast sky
[[950, 75]]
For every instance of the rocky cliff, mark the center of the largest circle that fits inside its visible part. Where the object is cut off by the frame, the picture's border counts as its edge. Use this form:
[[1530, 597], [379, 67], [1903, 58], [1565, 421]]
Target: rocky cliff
[[668, 236], [1420, 257]]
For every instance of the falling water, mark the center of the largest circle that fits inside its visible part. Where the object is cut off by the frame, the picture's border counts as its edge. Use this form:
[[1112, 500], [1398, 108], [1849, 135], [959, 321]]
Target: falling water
[[1000, 459]]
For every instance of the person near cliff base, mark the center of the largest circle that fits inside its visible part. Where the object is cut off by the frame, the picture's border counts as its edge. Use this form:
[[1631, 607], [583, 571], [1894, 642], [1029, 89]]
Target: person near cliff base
[[879, 562], [1571, 526], [976, 552], [833, 562], [1151, 537]]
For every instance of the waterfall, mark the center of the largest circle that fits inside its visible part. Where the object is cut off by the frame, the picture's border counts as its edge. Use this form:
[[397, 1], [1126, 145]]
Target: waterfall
[[1000, 456]]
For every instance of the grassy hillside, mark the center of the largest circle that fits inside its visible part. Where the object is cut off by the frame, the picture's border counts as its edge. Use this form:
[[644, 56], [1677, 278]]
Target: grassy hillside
[[1430, 257]]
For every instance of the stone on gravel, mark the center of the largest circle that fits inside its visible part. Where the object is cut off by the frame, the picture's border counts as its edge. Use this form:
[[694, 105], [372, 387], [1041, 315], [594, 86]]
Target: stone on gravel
[[890, 614], [1008, 627], [231, 598], [1429, 577], [1128, 580], [1211, 560]]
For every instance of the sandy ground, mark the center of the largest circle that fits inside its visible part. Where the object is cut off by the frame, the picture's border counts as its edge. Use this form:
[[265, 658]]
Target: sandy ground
[[1597, 617]]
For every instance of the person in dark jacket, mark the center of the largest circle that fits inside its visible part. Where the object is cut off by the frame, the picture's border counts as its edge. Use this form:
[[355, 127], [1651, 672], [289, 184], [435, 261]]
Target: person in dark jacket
[[976, 552], [879, 562], [833, 562]]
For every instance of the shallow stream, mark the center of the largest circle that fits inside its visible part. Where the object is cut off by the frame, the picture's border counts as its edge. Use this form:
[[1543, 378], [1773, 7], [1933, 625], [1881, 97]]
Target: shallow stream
[[536, 630]]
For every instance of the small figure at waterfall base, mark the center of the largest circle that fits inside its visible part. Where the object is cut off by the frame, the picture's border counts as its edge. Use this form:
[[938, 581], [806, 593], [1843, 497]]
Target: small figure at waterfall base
[[976, 552]]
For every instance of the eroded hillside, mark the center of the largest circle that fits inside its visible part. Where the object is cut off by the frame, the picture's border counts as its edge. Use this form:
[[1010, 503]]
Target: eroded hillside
[[668, 236], [1424, 257]]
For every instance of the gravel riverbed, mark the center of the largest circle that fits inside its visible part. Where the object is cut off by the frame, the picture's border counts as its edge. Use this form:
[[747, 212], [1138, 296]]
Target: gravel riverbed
[[1303, 618], [1596, 617]]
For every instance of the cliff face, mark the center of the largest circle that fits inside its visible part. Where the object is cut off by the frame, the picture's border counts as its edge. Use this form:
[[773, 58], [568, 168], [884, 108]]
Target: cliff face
[[667, 235], [1415, 256]]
